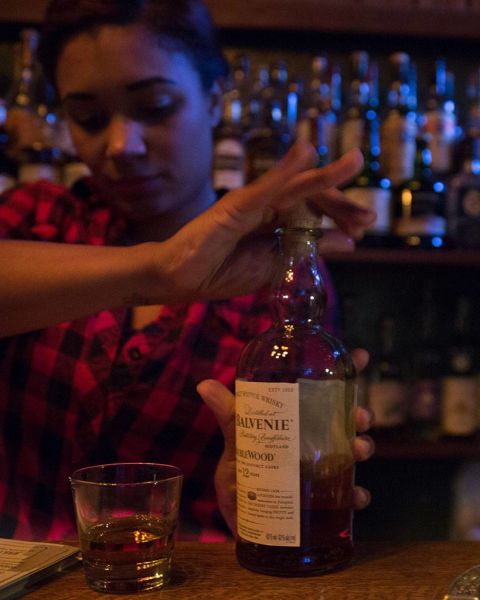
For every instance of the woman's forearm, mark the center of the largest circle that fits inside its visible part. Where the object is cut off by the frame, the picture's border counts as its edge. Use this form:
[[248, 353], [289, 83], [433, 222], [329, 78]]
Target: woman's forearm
[[42, 284]]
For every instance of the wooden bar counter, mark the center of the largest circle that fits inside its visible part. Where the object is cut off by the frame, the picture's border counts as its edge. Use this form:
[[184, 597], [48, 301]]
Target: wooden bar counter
[[380, 571]]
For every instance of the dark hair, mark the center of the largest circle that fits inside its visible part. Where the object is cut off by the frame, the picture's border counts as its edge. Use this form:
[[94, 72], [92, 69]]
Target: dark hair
[[183, 25]]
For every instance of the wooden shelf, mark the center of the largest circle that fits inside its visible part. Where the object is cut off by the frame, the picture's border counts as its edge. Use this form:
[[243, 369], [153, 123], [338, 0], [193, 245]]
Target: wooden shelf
[[431, 18], [438, 258], [406, 17], [442, 450]]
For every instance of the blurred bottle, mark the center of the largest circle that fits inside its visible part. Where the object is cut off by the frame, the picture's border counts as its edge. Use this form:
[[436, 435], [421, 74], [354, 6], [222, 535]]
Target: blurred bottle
[[463, 199], [241, 82], [426, 372], [270, 137], [387, 388], [255, 102], [8, 167], [440, 120], [24, 125], [295, 101], [399, 126], [229, 145], [353, 122], [459, 385], [371, 189], [420, 205], [318, 123]]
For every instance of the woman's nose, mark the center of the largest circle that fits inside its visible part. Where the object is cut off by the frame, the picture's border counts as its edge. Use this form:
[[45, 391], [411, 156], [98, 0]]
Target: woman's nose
[[125, 138]]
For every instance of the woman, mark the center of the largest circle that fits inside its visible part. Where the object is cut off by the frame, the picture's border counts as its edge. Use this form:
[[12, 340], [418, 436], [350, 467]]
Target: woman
[[105, 345]]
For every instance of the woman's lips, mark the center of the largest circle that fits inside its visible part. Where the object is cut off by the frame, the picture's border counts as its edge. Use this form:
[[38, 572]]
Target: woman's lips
[[136, 183]]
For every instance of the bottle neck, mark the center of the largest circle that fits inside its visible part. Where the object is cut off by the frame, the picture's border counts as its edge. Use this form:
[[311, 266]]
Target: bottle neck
[[299, 296]]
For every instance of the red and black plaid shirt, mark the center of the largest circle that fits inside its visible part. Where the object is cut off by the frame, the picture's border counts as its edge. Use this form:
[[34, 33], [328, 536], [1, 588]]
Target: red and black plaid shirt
[[94, 390]]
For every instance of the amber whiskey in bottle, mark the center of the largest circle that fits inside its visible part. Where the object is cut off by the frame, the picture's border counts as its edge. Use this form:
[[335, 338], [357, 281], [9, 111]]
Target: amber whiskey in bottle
[[295, 427]]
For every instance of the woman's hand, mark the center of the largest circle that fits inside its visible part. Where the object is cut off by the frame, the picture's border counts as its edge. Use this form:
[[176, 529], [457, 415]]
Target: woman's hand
[[230, 248], [227, 250], [222, 403]]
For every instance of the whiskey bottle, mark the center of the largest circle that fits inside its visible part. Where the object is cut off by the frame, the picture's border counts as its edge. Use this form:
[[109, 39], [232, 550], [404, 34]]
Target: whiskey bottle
[[294, 426], [387, 388], [426, 373], [229, 145], [23, 124], [399, 125], [420, 205], [270, 139], [318, 122], [440, 120], [352, 126], [463, 197], [371, 189], [459, 385]]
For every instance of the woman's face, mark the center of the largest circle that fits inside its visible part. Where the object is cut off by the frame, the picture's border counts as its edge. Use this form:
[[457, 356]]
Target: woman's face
[[140, 119]]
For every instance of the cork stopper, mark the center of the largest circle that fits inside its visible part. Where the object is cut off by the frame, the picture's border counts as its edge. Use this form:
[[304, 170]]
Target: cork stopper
[[303, 217]]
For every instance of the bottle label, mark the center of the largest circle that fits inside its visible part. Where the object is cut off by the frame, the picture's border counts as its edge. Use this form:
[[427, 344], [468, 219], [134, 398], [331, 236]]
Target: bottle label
[[459, 405], [228, 165], [278, 426], [388, 401], [377, 199], [398, 147]]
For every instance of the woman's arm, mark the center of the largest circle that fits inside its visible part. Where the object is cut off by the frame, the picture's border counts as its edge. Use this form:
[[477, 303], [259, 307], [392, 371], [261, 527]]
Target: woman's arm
[[225, 251]]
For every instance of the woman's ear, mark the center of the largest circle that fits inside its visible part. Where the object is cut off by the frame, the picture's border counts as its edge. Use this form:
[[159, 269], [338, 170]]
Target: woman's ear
[[216, 103]]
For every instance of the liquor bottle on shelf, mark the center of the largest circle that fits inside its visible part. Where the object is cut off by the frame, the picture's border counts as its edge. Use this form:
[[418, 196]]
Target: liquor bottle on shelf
[[294, 426], [270, 138], [229, 145], [295, 99], [440, 120], [241, 82], [420, 205], [371, 189], [352, 126], [426, 373], [8, 167], [23, 124], [463, 190], [255, 101], [399, 125], [387, 388], [318, 123], [459, 384]]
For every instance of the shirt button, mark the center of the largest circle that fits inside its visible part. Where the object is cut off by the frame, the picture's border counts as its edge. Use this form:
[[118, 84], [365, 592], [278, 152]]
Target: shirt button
[[134, 354]]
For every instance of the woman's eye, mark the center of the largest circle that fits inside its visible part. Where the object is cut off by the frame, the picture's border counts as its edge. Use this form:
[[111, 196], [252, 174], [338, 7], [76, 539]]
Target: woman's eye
[[157, 111], [91, 123]]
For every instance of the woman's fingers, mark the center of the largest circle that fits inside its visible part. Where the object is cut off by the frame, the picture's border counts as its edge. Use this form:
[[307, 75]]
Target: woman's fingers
[[221, 402], [361, 498], [360, 359]]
